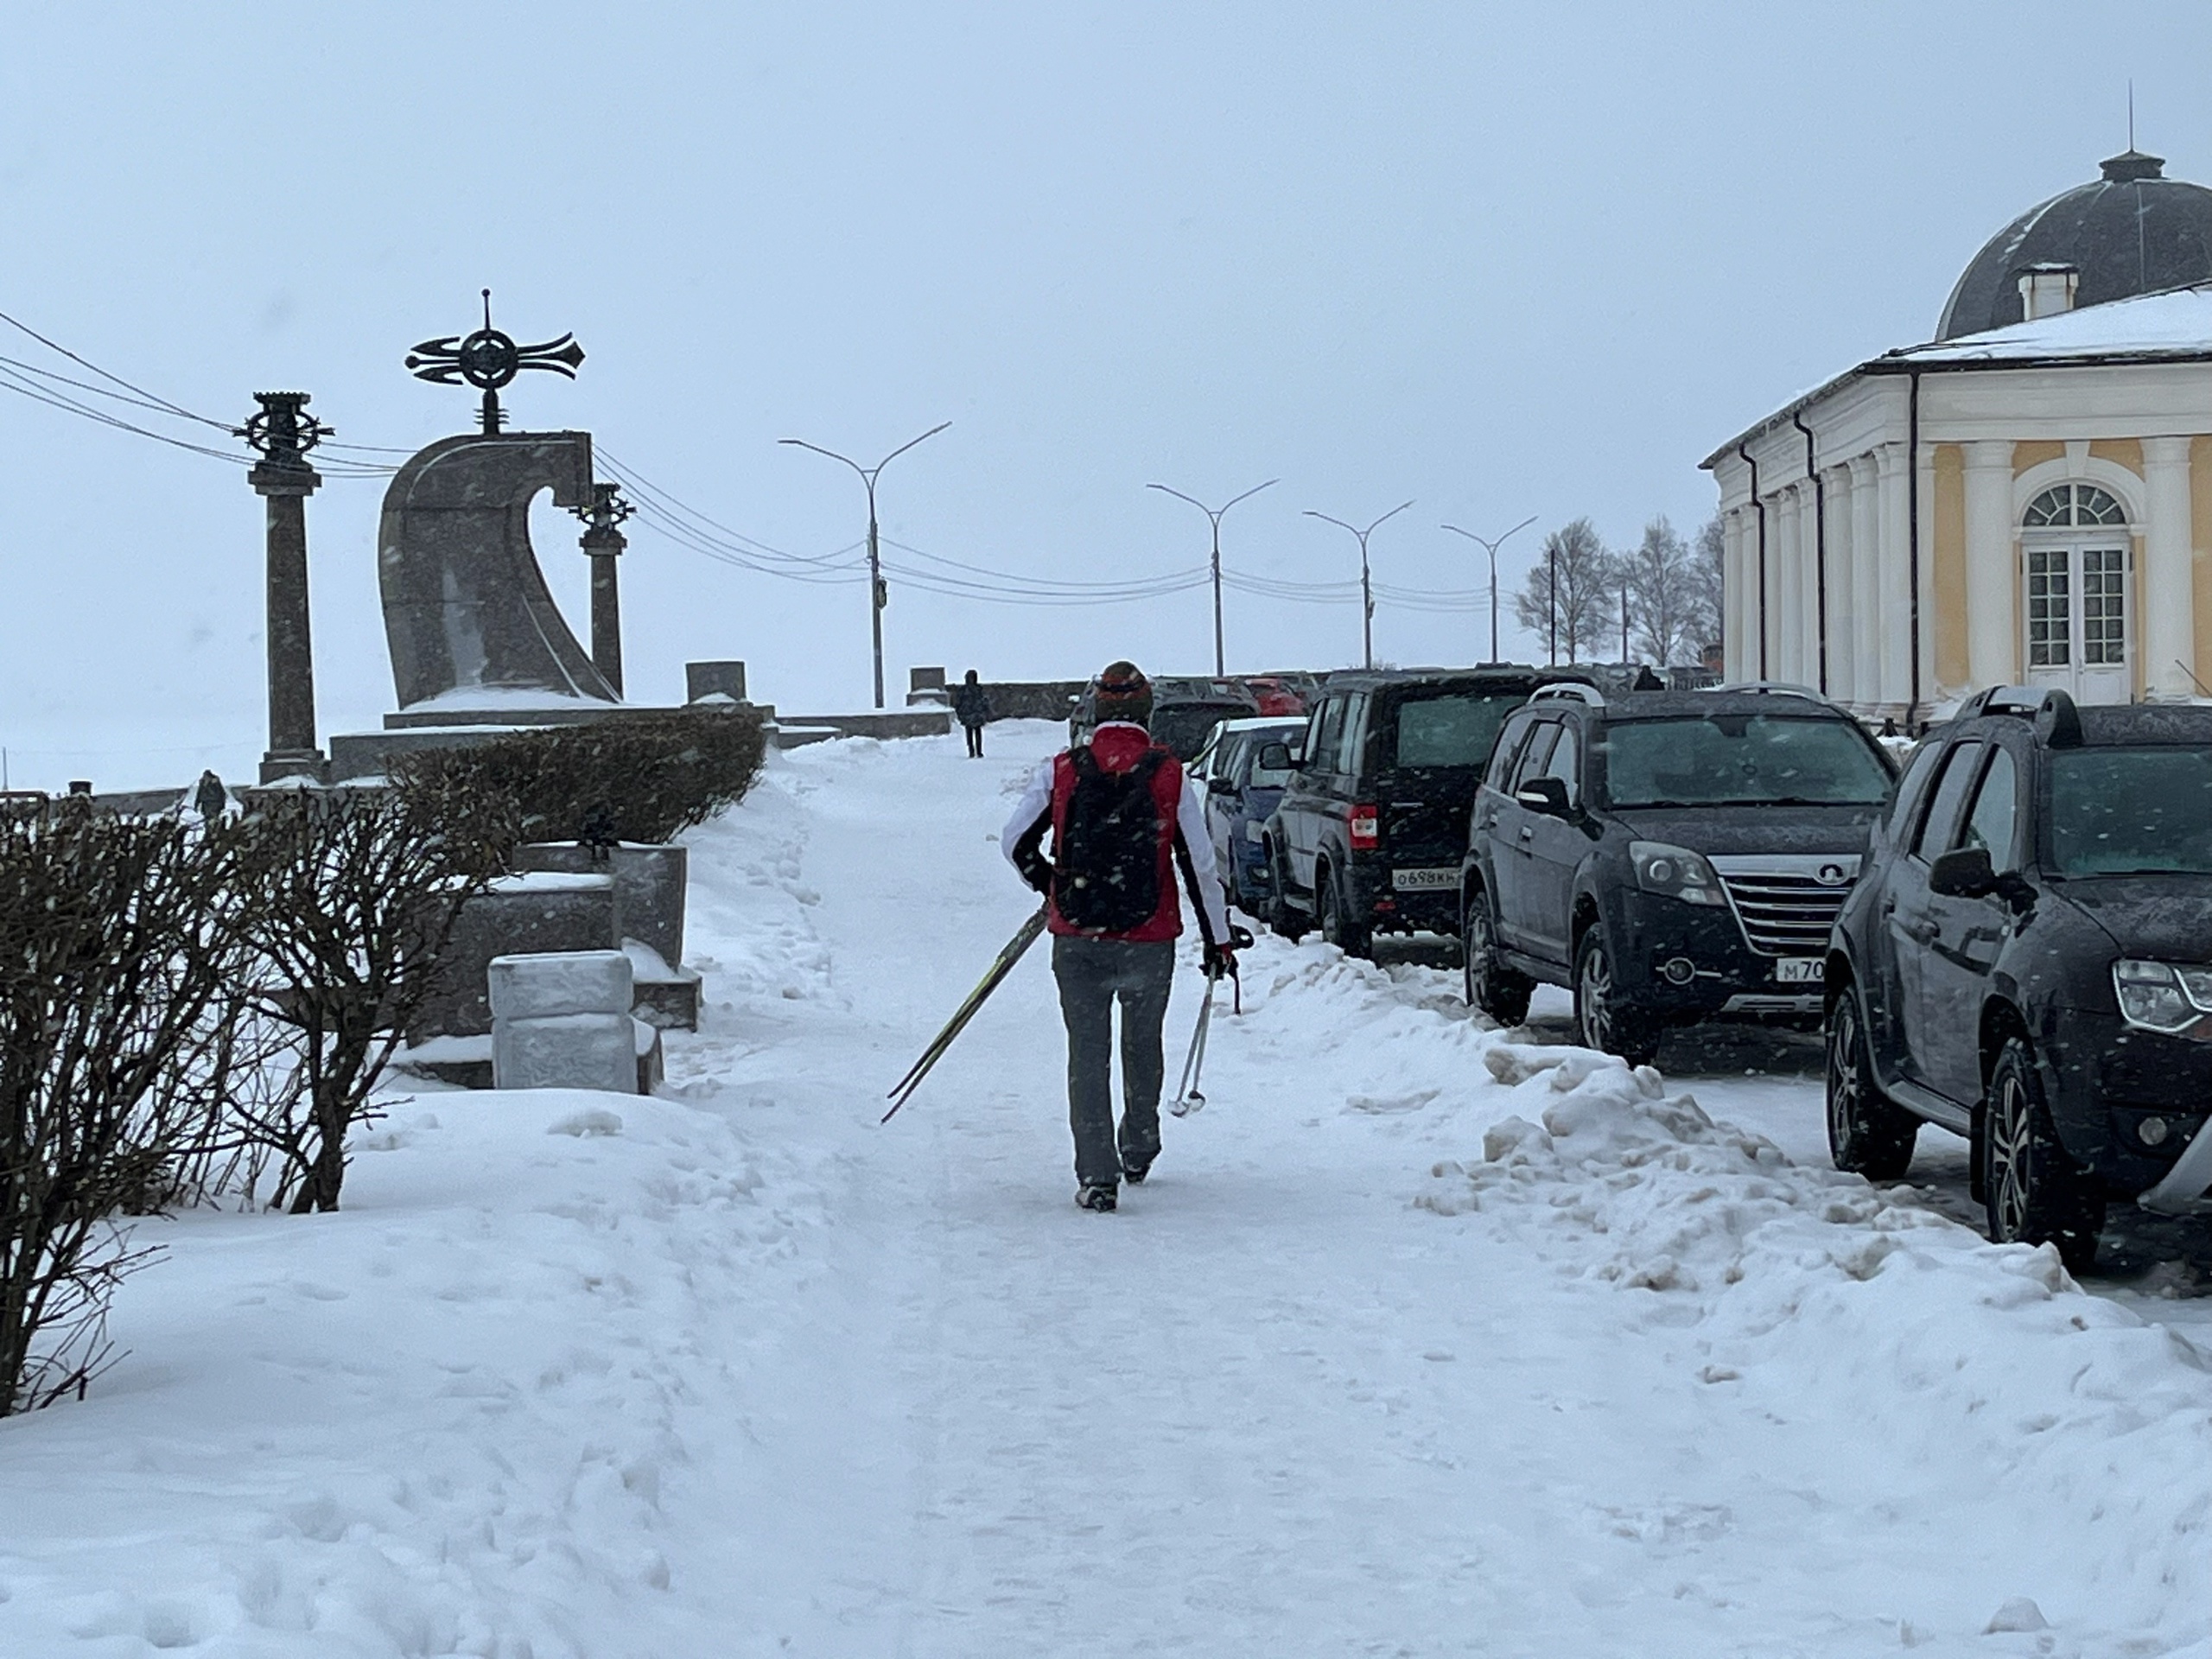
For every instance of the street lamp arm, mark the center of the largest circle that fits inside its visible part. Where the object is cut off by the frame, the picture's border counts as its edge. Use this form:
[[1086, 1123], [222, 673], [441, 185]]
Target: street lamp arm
[[1338, 523], [909, 444], [1392, 513], [1247, 494], [1179, 496], [801, 444]]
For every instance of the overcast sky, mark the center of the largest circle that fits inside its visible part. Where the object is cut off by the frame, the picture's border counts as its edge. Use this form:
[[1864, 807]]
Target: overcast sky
[[1504, 260]]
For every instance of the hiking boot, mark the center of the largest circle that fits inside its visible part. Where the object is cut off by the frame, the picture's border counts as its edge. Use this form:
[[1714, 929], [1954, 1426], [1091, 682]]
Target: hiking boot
[[1134, 1170], [1096, 1195]]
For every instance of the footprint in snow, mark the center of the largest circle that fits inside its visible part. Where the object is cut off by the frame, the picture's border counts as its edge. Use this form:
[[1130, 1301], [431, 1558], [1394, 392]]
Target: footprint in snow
[[1385, 1104]]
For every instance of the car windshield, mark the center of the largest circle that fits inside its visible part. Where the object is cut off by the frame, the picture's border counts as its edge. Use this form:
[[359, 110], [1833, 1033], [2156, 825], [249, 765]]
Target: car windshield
[[1452, 731], [1184, 726], [2117, 812], [1741, 760]]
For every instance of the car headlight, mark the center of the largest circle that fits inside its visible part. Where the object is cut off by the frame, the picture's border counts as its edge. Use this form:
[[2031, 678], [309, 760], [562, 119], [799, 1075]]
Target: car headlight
[[2159, 996], [1676, 871]]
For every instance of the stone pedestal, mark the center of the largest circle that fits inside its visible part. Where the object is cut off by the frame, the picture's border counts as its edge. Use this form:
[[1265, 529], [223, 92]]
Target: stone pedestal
[[518, 914], [714, 679], [649, 897]]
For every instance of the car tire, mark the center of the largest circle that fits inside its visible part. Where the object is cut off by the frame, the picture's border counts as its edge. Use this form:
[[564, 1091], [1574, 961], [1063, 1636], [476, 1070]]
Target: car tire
[[1285, 918], [2035, 1193], [1605, 1019], [1869, 1134], [1498, 992], [1338, 926]]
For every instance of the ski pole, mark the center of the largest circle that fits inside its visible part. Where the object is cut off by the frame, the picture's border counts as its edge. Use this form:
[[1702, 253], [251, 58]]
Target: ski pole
[[1187, 1097], [1001, 965]]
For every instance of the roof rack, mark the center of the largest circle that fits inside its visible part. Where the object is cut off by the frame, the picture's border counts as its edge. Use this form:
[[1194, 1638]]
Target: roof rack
[[1771, 687], [1571, 691], [2058, 722]]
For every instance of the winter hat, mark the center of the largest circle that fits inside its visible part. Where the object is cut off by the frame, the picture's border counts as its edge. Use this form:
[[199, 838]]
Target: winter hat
[[1122, 693]]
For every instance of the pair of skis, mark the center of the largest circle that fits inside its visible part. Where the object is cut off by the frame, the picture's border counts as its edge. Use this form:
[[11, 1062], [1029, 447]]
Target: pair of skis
[[1187, 1097]]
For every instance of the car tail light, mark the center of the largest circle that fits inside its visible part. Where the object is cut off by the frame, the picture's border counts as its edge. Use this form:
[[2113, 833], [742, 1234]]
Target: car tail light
[[1366, 830]]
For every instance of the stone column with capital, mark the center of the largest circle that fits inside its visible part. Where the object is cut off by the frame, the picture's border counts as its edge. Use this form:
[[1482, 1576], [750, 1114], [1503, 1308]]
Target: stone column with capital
[[1788, 662], [1865, 644], [1732, 541], [1842, 602], [2168, 629], [1893, 514], [603, 541], [1993, 580], [284, 433]]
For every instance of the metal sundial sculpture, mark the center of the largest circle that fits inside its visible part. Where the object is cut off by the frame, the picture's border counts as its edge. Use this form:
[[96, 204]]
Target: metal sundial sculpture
[[488, 360]]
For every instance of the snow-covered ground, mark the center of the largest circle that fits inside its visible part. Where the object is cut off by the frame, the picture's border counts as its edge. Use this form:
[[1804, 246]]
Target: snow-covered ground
[[1423, 1339]]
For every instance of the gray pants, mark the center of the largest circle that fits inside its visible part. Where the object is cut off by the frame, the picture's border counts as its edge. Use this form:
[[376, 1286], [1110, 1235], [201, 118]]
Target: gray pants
[[1093, 974]]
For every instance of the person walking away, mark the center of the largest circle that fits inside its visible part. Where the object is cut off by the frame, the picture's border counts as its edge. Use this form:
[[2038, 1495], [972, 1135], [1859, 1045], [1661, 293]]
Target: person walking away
[[971, 706], [1121, 815]]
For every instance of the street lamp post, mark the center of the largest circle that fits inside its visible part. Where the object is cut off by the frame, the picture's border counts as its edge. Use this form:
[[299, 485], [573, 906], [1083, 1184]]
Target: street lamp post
[[1366, 587], [1491, 547], [875, 589], [1213, 514]]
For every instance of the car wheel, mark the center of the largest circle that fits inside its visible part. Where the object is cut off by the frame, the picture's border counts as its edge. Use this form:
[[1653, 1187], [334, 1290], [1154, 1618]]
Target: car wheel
[[1869, 1134], [1604, 1018], [1338, 926], [1284, 917], [1498, 992], [2037, 1194]]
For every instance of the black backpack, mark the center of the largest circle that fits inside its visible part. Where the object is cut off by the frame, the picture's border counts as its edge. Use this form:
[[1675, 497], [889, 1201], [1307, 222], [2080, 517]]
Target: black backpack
[[1106, 858]]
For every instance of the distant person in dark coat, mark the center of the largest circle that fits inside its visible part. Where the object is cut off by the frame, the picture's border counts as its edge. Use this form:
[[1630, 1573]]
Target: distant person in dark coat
[[971, 706]]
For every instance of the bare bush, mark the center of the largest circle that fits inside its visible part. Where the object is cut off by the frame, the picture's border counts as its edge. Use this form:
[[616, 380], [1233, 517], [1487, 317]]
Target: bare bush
[[359, 892], [120, 939], [642, 777]]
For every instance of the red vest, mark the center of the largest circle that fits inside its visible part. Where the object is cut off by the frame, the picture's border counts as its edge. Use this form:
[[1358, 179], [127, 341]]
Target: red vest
[[1118, 748]]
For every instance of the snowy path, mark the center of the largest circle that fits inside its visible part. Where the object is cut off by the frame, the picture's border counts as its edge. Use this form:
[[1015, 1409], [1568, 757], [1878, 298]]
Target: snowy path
[[756, 1377]]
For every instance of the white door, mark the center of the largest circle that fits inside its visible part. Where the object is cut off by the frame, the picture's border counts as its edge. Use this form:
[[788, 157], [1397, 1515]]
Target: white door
[[2078, 617]]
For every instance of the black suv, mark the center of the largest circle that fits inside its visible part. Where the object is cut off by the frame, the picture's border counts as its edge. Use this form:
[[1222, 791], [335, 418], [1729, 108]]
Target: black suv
[[1669, 855], [1367, 836], [2029, 964]]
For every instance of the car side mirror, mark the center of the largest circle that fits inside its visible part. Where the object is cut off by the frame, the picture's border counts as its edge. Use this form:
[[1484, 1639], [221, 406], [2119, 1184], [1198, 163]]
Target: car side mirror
[[1544, 795], [1276, 757], [1220, 786], [1962, 872]]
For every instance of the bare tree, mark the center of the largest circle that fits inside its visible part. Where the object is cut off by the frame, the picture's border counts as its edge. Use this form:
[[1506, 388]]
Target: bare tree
[[119, 941], [1708, 604], [1657, 577], [1586, 589], [361, 895]]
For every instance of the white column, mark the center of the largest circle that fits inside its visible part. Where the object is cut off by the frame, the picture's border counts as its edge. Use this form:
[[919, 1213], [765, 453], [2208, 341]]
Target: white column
[[2169, 627], [1992, 652], [1731, 588], [1894, 514], [1842, 609], [1924, 599], [1866, 589], [1790, 625]]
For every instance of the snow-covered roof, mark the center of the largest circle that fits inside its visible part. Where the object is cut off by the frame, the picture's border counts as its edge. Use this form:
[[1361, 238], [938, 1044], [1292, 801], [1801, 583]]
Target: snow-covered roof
[[2175, 323]]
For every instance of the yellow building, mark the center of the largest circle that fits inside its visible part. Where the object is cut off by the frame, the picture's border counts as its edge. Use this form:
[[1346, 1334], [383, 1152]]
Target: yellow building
[[2026, 499]]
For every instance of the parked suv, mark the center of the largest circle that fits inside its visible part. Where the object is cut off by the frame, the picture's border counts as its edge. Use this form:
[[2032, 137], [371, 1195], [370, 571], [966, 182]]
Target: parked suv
[[1240, 797], [2029, 964], [1671, 856], [1368, 834]]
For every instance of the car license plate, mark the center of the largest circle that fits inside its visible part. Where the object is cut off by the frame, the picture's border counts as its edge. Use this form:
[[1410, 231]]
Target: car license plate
[[1800, 971], [1425, 880]]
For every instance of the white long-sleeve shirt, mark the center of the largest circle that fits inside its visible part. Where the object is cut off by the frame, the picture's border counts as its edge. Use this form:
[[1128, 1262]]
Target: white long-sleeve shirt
[[1190, 817]]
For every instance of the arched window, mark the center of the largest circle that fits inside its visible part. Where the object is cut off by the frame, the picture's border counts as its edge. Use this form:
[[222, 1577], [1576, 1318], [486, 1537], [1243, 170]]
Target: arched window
[[2065, 506], [2073, 572]]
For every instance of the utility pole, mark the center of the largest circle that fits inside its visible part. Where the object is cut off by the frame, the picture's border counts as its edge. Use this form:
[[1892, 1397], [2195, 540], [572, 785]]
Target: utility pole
[[877, 595], [1366, 585], [1491, 547], [1220, 665], [283, 432]]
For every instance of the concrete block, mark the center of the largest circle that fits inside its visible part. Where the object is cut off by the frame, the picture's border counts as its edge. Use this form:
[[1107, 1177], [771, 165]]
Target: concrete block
[[518, 915], [552, 982], [662, 995], [650, 886], [652, 1065], [714, 679], [567, 1050]]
